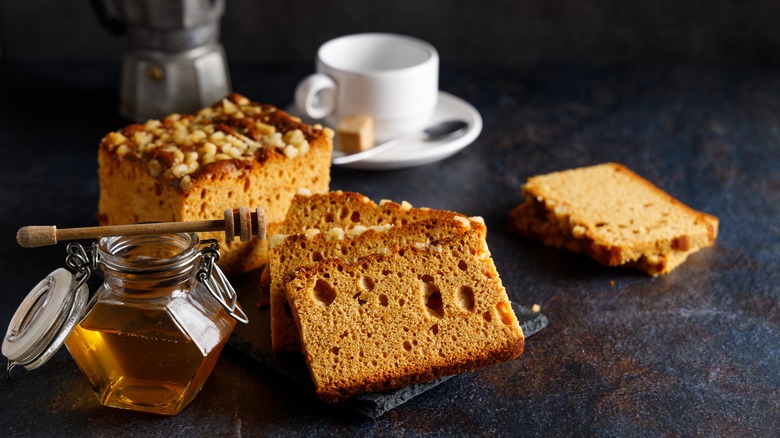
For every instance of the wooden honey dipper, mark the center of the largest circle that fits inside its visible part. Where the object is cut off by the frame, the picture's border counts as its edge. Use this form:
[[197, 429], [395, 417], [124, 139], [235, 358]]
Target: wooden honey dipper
[[241, 222]]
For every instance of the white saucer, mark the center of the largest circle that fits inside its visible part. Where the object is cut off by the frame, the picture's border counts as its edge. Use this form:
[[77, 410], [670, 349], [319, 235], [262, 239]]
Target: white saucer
[[417, 152]]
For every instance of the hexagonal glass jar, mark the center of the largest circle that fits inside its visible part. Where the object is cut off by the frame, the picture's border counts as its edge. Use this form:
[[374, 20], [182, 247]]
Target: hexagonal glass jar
[[152, 332]]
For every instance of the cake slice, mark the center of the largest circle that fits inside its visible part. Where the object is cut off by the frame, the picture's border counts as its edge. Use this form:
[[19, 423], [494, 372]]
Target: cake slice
[[289, 252], [195, 166], [340, 209], [613, 215], [410, 316]]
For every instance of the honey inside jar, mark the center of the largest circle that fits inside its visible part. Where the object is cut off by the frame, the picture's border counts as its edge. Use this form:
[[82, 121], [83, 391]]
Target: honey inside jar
[[153, 333]]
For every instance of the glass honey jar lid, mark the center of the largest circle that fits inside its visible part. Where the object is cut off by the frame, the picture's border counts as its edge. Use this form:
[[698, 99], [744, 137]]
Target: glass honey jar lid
[[44, 319]]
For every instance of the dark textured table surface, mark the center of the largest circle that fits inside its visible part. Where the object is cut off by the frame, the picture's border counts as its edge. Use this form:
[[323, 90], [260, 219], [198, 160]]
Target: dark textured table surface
[[696, 352]]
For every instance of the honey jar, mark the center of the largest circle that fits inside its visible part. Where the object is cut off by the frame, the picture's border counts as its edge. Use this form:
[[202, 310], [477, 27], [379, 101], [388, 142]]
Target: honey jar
[[150, 336]]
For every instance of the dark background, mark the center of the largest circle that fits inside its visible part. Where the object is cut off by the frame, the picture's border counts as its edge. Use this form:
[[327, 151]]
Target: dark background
[[503, 32], [686, 93]]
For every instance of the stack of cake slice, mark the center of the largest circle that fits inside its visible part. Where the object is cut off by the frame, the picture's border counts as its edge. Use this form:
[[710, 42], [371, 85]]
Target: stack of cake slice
[[381, 296], [347, 225]]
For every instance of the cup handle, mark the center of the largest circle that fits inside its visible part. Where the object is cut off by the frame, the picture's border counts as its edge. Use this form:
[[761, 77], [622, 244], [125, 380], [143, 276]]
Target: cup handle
[[315, 96]]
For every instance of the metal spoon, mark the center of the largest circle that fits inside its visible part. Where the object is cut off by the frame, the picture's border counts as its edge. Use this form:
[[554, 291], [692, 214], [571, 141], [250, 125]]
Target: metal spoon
[[446, 129]]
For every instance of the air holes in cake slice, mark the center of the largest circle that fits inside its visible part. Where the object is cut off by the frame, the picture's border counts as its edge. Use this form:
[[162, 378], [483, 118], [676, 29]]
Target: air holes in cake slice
[[504, 312], [367, 283], [465, 298], [383, 300], [324, 292], [359, 298], [407, 346], [434, 329], [316, 256], [432, 299]]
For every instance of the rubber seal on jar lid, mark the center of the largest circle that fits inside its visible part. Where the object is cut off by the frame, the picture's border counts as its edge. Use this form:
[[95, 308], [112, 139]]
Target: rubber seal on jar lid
[[44, 319]]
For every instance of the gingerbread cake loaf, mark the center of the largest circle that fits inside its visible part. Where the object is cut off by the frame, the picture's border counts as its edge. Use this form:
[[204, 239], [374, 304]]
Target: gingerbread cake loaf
[[195, 166], [613, 215]]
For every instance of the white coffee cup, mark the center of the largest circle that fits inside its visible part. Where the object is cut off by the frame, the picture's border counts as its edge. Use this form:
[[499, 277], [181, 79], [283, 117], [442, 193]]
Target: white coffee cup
[[392, 78]]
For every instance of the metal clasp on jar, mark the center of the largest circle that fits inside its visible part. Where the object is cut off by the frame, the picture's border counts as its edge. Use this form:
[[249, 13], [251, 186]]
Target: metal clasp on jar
[[215, 281]]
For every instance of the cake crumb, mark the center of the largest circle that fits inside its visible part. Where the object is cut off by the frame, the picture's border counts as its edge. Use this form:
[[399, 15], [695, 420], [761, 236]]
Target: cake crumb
[[536, 308], [611, 282]]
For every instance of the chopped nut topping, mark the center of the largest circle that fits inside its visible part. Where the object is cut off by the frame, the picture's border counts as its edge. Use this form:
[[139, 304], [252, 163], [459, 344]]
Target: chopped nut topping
[[291, 151], [478, 219], [122, 150], [360, 229], [653, 259], [233, 129], [155, 168], [276, 240], [463, 221], [186, 182], [336, 234], [311, 232], [577, 231]]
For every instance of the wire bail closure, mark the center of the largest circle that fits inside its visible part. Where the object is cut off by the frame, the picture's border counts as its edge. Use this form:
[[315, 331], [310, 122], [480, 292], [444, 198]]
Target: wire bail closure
[[81, 261], [217, 283]]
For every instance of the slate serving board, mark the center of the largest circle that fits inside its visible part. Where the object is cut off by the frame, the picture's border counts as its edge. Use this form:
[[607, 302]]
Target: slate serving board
[[254, 340]]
